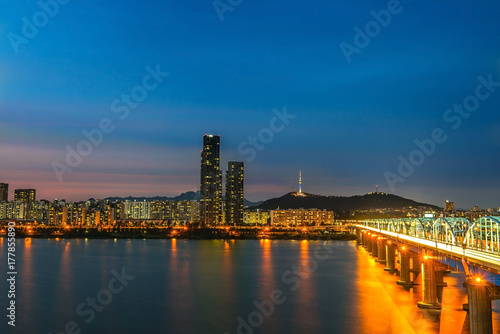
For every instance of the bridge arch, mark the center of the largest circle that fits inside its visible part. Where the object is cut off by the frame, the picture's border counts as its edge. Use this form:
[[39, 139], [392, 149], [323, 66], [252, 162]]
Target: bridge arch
[[405, 224], [450, 229], [391, 225], [484, 234], [421, 227]]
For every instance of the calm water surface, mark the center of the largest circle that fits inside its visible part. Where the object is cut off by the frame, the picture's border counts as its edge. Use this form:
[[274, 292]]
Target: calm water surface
[[188, 286]]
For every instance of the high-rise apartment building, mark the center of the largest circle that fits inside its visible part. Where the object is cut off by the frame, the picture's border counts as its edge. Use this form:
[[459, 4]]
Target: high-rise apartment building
[[25, 195], [137, 210], [234, 193], [211, 181], [4, 192], [449, 206]]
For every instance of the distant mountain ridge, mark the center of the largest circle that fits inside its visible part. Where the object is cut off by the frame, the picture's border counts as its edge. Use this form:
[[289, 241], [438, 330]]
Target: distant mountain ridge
[[309, 201], [187, 196], [341, 203]]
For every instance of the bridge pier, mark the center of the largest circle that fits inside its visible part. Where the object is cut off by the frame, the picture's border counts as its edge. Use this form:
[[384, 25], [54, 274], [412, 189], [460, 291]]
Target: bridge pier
[[404, 268], [440, 284], [359, 236], [369, 242], [429, 286], [375, 246], [390, 256], [480, 312], [381, 251], [415, 268]]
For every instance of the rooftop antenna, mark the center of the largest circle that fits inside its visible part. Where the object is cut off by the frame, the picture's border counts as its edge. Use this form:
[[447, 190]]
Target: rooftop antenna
[[376, 189]]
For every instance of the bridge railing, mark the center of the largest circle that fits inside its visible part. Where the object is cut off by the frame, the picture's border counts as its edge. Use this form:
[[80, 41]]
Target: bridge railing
[[482, 235]]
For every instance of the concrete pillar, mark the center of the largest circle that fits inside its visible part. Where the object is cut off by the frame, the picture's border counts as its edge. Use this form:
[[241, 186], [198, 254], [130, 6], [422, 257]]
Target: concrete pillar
[[415, 268], [404, 268], [480, 313], [369, 239], [358, 236], [375, 246], [381, 251], [390, 257], [440, 284], [429, 288]]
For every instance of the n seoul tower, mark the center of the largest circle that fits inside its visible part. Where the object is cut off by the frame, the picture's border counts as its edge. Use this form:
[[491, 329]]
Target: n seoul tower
[[300, 184]]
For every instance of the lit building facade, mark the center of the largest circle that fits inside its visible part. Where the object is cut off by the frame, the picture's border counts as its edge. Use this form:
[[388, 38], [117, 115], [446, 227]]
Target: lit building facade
[[4, 192], [234, 193], [26, 195], [137, 210], [449, 206], [210, 181], [256, 217], [13, 210], [302, 217]]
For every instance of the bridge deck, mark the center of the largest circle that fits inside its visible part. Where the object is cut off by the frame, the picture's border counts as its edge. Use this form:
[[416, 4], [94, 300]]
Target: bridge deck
[[488, 260]]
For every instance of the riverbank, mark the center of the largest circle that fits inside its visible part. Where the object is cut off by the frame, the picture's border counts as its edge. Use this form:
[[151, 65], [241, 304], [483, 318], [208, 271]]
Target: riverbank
[[195, 234]]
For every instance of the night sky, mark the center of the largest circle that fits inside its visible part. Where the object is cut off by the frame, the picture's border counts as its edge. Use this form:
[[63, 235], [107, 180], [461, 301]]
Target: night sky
[[350, 118]]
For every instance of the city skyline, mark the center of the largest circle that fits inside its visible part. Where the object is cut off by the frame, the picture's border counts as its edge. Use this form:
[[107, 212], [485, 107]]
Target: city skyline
[[211, 144], [20, 196], [285, 95], [4, 187]]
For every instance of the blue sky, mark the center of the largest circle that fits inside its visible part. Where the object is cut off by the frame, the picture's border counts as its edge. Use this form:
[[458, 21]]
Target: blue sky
[[353, 120]]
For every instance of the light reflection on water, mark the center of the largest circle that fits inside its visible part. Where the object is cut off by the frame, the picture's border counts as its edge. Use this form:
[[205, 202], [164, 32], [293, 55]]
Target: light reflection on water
[[384, 306], [187, 286]]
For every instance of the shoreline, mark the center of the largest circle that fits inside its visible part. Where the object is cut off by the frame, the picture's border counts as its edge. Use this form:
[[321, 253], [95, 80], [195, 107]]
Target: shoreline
[[106, 235]]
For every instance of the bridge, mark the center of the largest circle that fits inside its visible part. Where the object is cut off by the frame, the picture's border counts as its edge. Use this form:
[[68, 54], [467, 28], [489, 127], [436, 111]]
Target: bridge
[[426, 246]]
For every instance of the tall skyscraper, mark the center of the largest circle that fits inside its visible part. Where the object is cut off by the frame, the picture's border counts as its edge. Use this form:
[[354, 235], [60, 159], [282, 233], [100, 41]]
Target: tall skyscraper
[[25, 195], [4, 192], [211, 181], [234, 193]]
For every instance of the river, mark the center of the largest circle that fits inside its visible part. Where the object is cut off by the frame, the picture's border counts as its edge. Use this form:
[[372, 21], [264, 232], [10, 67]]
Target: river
[[215, 286]]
